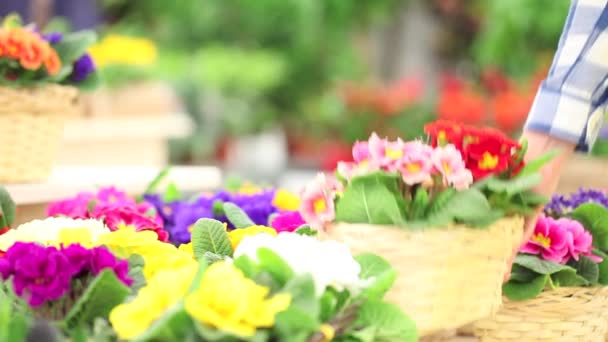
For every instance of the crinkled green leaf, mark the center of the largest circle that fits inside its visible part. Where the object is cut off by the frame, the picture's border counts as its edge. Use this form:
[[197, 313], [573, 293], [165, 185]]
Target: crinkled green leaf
[[136, 268], [419, 205], [568, 277], [306, 230], [237, 216], [103, 293], [387, 322], [272, 263], [594, 218], [603, 267], [7, 209], [515, 185], [588, 269], [535, 165], [210, 236], [465, 206], [523, 291], [382, 274], [371, 199], [539, 265]]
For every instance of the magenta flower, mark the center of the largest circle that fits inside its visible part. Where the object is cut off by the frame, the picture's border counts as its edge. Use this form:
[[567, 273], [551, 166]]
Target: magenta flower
[[39, 273], [317, 201], [560, 240], [102, 259], [111, 195], [116, 217], [448, 162], [386, 154], [580, 241], [416, 166], [287, 221], [76, 207]]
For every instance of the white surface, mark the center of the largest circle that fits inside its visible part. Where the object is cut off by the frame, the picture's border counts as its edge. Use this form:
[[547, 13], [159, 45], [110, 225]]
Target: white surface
[[67, 181], [174, 125]]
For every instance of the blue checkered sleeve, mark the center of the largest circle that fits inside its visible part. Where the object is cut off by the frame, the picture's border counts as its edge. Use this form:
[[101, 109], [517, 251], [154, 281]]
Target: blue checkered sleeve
[[571, 100]]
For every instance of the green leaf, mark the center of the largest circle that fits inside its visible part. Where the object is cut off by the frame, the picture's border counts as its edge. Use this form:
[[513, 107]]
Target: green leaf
[[419, 205], [8, 209], [237, 216], [568, 277], [515, 185], [249, 267], [212, 257], [210, 236], [136, 268], [164, 173], [171, 326], [535, 165], [302, 289], [588, 269], [522, 275], [465, 206], [378, 269], [594, 218], [524, 291], [386, 322], [103, 293], [272, 263], [603, 267], [441, 200], [370, 199], [74, 45], [92, 81], [306, 230], [539, 265], [172, 193], [302, 317]]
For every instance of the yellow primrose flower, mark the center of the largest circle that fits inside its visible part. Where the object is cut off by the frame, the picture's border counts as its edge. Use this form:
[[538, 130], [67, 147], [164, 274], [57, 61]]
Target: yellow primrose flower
[[237, 235], [118, 49], [157, 255], [246, 309], [80, 236], [285, 200], [249, 189], [187, 248], [161, 293]]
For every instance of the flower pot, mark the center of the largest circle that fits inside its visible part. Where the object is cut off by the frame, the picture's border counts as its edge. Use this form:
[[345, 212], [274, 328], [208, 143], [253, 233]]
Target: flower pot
[[31, 128], [447, 277], [563, 314]]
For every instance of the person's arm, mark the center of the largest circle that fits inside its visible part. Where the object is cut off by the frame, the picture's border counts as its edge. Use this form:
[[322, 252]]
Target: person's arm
[[568, 109]]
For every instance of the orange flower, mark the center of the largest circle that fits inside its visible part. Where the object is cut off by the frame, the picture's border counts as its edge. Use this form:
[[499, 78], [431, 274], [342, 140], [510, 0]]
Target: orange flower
[[14, 43], [52, 63], [36, 51]]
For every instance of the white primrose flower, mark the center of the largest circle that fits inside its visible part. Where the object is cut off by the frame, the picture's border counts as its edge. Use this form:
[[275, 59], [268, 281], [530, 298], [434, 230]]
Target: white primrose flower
[[46, 231], [330, 263]]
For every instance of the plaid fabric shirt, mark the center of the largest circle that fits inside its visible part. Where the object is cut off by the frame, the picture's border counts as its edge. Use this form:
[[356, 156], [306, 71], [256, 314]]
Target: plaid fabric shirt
[[571, 100]]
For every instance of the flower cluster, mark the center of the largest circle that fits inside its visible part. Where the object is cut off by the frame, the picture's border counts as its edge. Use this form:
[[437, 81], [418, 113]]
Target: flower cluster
[[331, 264], [41, 274], [114, 207], [562, 205], [29, 49], [388, 101], [560, 240], [260, 205], [485, 151], [52, 230]]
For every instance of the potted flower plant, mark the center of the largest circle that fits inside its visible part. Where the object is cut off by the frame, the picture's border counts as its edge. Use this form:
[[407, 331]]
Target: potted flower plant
[[38, 75], [446, 214], [556, 290]]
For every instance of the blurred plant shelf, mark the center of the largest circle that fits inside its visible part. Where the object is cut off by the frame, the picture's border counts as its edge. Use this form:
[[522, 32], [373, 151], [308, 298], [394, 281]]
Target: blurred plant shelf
[[133, 139]]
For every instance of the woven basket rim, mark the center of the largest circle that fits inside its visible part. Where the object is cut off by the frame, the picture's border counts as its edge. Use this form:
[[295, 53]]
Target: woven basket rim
[[457, 226], [562, 299], [42, 99]]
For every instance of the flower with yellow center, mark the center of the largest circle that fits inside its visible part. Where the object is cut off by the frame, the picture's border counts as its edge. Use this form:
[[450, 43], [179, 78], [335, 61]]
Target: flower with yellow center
[[319, 205], [118, 49], [488, 161], [394, 154], [247, 308], [249, 189], [285, 200], [545, 241], [237, 235], [329, 333], [162, 292], [157, 255]]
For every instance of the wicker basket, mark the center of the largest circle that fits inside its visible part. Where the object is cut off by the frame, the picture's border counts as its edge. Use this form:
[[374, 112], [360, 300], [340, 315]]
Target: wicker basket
[[31, 127], [564, 314], [447, 277]]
